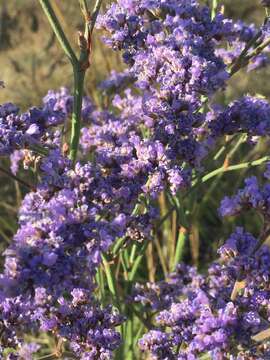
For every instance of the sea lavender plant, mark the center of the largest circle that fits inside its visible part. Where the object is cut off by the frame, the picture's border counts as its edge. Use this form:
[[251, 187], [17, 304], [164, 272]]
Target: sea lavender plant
[[85, 226]]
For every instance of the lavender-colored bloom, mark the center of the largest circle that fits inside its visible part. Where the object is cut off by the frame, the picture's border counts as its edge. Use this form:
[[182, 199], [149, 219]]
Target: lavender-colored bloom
[[251, 196], [153, 137], [203, 319], [248, 115], [15, 159], [27, 350], [259, 62], [116, 82]]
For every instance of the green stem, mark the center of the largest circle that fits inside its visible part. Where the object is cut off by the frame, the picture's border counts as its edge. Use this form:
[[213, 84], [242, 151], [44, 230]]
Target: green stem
[[49, 12], [128, 352], [133, 253], [79, 74], [182, 237], [214, 8], [214, 173], [95, 15], [137, 262], [123, 262], [258, 50], [138, 335], [76, 114], [100, 283], [245, 165], [109, 276], [118, 245], [242, 60]]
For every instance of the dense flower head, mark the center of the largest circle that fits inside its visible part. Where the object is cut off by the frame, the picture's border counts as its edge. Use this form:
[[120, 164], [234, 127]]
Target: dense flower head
[[204, 317], [119, 143], [219, 313], [116, 82], [160, 295], [249, 115], [37, 127], [240, 40], [73, 216], [168, 44], [251, 196]]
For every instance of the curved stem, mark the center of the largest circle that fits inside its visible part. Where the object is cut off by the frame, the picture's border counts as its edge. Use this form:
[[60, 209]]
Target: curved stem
[[61, 37], [109, 276], [214, 173], [182, 237]]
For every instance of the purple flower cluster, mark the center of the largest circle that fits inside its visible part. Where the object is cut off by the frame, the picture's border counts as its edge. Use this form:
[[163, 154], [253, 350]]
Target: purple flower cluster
[[116, 82], [222, 312], [159, 296], [170, 48], [65, 225], [249, 115], [242, 39], [153, 137], [204, 317], [252, 196], [36, 127]]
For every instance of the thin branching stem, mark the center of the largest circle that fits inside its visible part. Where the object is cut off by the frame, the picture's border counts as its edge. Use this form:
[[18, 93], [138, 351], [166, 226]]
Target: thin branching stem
[[79, 65], [57, 28], [95, 15], [215, 173]]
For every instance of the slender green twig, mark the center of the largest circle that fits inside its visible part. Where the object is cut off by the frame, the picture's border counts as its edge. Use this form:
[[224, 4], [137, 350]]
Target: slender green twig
[[109, 276], [245, 165], [137, 262], [85, 41], [49, 12], [214, 173], [76, 114], [243, 59], [214, 8], [180, 246], [95, 15], [258, 49], [80, 65]]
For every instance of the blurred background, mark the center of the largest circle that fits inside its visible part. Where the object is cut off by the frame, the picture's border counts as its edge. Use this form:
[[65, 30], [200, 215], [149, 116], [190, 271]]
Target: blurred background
[[31, 63]]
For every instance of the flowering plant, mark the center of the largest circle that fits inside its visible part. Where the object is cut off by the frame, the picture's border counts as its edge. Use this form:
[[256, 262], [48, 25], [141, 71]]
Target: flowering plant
[[112, 197]]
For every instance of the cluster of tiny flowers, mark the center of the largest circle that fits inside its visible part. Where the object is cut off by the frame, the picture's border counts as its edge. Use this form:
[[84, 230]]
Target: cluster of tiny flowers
[[47, 283], [20, 130], [252, 196], [249, 115], [116, 82], [170, 50], [36, 127], [220, 314], [173, 54], [150, 138]]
